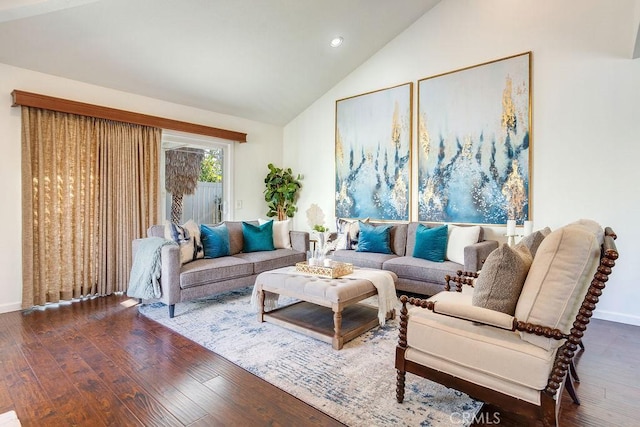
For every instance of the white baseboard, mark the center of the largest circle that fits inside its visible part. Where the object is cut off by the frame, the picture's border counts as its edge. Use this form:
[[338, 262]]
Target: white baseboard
[[14, 306], [617, 317]]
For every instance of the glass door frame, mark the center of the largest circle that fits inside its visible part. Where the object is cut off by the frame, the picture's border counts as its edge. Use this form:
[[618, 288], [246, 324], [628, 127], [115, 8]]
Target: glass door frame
[[175, 139]]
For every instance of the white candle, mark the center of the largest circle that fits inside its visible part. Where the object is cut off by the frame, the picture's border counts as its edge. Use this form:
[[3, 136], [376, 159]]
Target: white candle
[[511, 227], [528, 227]]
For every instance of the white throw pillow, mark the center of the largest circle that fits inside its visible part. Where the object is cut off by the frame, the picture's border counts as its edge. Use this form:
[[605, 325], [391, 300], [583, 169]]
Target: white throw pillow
[[459, 238], [281, 238]]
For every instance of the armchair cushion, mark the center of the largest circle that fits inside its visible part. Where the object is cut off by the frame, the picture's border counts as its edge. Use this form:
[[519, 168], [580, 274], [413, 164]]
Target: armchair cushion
[[477, 352], [565, 262], [499, 285]]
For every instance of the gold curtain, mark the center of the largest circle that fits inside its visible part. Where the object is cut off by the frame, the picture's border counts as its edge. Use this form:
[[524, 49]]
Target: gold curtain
[[128, 158], [89, 187]]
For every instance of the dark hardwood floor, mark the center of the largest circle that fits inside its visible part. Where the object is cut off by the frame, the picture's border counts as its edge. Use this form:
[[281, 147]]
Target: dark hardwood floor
[[98, 362]]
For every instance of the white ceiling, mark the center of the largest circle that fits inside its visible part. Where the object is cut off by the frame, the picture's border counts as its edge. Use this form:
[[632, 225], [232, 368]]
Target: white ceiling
[[265, 60]]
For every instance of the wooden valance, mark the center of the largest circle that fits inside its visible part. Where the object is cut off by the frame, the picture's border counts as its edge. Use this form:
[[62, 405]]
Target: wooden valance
[[29, 99]]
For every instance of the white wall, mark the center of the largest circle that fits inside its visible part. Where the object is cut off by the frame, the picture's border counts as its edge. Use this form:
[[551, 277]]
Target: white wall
[[250, 160], [586, 111]]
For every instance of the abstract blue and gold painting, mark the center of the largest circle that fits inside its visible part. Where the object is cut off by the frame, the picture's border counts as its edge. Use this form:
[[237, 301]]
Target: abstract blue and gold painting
[[474, 130], [373, 161]]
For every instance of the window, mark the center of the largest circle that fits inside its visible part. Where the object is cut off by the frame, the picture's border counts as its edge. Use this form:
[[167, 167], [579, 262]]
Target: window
[[211, 199]]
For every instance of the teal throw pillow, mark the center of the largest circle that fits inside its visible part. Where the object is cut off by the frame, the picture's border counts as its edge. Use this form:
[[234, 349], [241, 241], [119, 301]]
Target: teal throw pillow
[[257, 237], [431, 243], [374, 238], [215, 240]]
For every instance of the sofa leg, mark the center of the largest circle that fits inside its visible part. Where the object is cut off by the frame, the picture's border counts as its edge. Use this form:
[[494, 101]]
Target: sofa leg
[[172, 309]]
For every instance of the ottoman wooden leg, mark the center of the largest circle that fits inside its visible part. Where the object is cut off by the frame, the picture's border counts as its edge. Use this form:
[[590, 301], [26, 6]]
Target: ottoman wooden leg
[[261, 305], [338, 341]]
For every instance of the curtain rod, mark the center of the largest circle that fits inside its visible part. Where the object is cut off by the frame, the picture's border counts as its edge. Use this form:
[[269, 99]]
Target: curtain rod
[[29, 99]]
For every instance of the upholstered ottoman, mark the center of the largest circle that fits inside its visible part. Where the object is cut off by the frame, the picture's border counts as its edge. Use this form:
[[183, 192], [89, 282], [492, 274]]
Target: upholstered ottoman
[[327, 309]]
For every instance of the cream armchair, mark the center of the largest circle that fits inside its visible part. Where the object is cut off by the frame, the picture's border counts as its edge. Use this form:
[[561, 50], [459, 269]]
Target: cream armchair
[[516, 361]]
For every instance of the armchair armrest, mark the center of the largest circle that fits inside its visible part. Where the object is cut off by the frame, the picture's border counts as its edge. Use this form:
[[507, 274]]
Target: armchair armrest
[[463, 278], [299, 240], [475, 314], [474, 255], [480, 315]]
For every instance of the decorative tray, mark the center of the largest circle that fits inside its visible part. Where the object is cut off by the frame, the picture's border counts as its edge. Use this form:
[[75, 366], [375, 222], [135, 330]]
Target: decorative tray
[[338, 269]]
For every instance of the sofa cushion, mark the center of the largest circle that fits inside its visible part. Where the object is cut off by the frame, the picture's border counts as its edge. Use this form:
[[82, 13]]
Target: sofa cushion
[[156, 230], [269, 260], [281, 238], [431, 243], [397, 237], [236, 240], [499, 285], [215, 240], [560, 274], [257, 237], [205, 271], [408, 267], [362, 259], [459, 238], [374, 238]]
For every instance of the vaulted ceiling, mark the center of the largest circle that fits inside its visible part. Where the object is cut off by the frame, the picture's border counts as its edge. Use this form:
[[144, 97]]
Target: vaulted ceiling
[[264, 60]]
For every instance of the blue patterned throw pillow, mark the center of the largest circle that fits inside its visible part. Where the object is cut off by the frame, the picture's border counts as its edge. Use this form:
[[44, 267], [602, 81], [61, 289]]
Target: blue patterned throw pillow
[[348, 233], [187, 236], [257, 237], [431, 243]]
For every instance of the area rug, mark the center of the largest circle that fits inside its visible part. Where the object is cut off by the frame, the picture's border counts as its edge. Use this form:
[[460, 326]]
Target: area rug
[[356, 385]]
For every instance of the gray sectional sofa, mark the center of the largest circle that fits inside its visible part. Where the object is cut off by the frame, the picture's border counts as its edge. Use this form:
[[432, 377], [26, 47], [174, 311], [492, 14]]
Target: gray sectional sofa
[[417, 275], [204, 277]]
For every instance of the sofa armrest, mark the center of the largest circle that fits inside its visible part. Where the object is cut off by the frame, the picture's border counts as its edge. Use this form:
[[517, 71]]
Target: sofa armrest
[[299, 241], [474, 255], [170, 274]]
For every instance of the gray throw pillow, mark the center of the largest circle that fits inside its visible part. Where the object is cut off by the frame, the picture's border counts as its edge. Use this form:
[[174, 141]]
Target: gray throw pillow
[[533, 240], [501, 279]]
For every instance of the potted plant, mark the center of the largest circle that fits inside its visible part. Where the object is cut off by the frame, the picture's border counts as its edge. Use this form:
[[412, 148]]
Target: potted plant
[[281, 191]]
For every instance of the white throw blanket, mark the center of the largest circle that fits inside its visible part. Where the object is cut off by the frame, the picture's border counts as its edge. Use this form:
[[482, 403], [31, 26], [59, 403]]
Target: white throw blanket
[[382, 280]]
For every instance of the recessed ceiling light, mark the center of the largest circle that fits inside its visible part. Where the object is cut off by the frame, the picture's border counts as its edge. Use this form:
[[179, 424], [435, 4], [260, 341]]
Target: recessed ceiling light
[[336, 42]]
